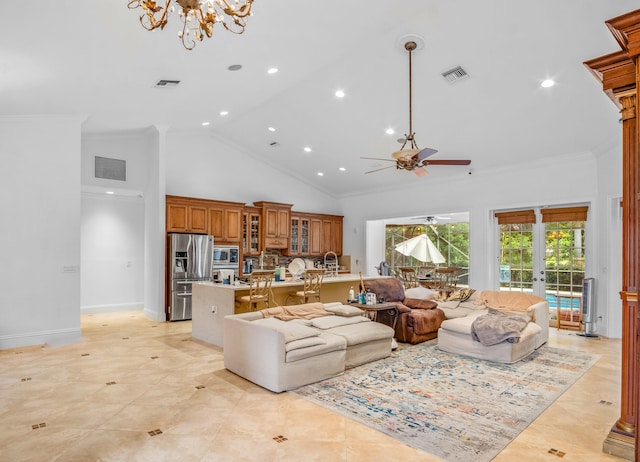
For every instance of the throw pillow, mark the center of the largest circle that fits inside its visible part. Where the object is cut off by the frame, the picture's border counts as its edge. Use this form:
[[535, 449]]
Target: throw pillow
[[420, 304], [421, 292], [344, 310], [461, 295]]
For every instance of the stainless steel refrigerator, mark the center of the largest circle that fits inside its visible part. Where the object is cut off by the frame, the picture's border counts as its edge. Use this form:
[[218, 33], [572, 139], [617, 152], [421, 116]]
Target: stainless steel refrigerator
[[190, 259]]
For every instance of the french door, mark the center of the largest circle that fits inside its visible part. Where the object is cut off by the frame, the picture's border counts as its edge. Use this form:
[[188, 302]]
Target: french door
[[542, 252]]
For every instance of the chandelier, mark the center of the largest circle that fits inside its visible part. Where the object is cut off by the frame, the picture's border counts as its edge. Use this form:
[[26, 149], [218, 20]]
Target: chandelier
[[198, 17]]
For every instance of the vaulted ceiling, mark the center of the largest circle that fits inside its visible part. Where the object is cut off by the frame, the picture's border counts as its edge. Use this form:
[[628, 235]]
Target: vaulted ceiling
[[93, 58]]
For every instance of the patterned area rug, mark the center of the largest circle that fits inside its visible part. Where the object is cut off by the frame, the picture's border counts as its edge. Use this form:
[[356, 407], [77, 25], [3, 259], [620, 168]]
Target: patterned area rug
[[451, 406]]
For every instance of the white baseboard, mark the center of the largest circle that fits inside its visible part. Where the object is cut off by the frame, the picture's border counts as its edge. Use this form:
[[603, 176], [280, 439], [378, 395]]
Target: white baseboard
[[49, 337], [111, 308]]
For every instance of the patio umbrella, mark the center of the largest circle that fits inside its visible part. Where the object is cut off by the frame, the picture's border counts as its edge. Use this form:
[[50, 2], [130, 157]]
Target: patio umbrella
[[421, 248]]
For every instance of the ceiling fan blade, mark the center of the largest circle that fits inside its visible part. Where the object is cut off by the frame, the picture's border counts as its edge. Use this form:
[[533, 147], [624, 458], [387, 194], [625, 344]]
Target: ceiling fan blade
[[446, 162], [377, 158], [426, 152], [419, 171], [378, 169]]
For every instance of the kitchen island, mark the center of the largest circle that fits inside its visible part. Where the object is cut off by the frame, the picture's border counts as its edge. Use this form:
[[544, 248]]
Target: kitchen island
[[212, 301]]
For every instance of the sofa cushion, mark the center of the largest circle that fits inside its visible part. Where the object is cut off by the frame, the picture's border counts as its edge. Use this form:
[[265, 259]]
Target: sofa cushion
[[420, 304], [304, 343], [291, 330], [356, 334], [459, 312], [331, 343], [329, 322], [344, 310]]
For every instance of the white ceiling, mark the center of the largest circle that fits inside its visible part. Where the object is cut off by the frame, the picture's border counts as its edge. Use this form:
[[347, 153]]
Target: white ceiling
[[93, 58]]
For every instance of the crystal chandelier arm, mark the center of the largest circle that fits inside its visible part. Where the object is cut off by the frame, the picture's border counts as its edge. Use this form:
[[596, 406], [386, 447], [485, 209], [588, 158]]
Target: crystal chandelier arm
[[150, 8], [243, 12]]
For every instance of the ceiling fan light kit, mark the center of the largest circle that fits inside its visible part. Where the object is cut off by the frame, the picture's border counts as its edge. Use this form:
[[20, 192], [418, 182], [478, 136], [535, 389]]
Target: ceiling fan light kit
[[410, 157]]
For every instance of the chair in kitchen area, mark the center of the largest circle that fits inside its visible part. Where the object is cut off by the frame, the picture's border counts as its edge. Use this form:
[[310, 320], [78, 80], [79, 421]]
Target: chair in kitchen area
[[408, 277], [311, 289], [259, 289], [447, 279]]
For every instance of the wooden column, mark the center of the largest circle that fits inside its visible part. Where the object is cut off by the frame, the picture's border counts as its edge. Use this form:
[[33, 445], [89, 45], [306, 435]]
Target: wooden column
[[620, 79]]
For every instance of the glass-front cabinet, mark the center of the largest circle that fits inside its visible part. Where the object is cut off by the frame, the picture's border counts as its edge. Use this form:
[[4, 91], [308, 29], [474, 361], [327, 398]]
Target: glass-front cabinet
[[251, 231], [299, 243]]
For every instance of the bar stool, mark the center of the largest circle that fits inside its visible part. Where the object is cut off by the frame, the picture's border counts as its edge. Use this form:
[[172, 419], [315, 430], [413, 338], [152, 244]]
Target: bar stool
[[259, 289], [311, 288]]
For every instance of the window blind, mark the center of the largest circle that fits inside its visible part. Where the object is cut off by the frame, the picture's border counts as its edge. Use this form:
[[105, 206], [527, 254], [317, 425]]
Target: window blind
[[564, 214], [516, 217]]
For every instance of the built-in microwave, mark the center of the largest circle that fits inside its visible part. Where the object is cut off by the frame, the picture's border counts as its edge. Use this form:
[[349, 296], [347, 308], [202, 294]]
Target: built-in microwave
[[225, 255]]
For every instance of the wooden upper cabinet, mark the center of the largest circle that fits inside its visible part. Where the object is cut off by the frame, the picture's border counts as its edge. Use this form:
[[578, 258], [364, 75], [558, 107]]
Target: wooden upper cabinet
[[251, 226], [225, 223], [183, 218], [332, 234], [276, 222], [315, 236], [223, 220]]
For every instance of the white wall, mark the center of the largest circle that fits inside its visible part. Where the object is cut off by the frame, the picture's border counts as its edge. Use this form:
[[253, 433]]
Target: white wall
[[112, 252], [40, 234], [199, 165], [609, 242]]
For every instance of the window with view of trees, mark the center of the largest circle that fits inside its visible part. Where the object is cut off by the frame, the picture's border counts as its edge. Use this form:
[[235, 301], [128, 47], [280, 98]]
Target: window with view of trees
[[451, 239]]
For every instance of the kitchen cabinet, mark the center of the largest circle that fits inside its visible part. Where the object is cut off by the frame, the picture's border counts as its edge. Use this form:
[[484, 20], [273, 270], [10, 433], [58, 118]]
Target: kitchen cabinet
[[251, 231], [184, 218], [221, 219], [315, 236], [225, 223], [299, 240], [276, 222], [332, 234]]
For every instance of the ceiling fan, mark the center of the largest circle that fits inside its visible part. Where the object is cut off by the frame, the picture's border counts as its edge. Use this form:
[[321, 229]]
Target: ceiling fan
[[413, 159], [431, 220]]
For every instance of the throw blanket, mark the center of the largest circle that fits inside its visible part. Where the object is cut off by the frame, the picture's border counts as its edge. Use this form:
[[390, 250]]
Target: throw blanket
[[305, 311], [516, 301], [495, 327]]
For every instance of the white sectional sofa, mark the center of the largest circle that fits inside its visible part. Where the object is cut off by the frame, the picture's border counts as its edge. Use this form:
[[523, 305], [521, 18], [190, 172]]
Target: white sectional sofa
[[455, 333], [282, 355]]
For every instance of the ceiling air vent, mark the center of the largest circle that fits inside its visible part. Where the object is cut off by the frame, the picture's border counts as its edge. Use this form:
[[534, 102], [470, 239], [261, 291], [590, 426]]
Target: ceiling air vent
[[167, 83], [455, 74], [110, 169]]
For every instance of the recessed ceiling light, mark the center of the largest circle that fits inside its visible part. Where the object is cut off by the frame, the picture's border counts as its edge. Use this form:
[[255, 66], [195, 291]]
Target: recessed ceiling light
[[390, 131], [547, 83], [320, 174], [307, 149], [204, 124], [340, 94], [272, 70], [224, 113], [342, 169], [110, 192], [271, 129], [235, 67]]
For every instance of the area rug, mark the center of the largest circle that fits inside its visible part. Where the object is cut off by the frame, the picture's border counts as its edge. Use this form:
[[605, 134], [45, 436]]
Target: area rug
[[451, 406]]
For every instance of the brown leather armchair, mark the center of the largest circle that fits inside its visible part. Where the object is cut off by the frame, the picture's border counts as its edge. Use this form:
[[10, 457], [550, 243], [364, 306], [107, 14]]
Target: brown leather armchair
[[418, 320]]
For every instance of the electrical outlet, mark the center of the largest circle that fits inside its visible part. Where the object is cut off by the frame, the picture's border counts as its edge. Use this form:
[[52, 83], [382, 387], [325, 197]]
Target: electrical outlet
[[214, 309]]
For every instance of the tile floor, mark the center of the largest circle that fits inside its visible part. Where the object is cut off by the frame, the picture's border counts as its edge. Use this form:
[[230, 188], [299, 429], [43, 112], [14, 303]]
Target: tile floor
[[138, 390]]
